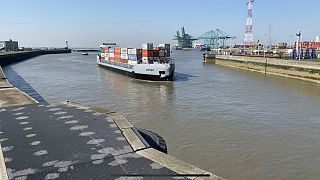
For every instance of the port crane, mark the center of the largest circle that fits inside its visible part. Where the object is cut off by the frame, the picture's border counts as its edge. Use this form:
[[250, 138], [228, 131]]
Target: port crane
[[215, 38], [184, 40]]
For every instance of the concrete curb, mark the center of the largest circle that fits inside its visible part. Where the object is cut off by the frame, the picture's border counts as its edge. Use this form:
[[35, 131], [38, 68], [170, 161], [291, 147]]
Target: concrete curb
[[3, 169], [2, 76], [141, 147]]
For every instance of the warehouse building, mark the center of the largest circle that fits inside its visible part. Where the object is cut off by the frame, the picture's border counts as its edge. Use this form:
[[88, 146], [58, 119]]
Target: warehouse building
[[9, 45]]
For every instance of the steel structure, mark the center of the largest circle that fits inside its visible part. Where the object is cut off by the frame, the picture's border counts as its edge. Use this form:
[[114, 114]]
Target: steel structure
[[215, 39], [185, 40], [248, 36]]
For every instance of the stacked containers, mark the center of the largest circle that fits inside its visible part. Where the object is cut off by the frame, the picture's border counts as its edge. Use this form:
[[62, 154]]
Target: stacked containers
[[106, 53], [117, 54], [111, 54], [134, 55], [124, 55], [164, 50], [147, 53], [167, 50]]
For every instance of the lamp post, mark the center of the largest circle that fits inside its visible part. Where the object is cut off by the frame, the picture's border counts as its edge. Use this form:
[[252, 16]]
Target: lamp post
[[298, 50]]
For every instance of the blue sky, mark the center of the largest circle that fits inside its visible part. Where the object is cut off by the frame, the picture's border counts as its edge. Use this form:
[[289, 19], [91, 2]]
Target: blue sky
[[84, 23]]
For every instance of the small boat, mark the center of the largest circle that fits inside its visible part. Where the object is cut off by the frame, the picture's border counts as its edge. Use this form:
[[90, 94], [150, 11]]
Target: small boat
[[85, 53]]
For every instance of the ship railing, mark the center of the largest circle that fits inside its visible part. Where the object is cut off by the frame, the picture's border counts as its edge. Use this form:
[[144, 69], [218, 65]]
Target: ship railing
[[160, 61]]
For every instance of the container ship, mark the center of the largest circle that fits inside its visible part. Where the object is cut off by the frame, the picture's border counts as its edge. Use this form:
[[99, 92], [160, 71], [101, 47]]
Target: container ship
[[147, 63]]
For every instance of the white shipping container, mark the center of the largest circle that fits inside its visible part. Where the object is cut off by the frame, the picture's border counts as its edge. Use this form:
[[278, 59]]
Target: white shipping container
[[111, 55], [145, 60], [124, 50], [132, 51], [132, 62], [148, 46], [161, 46], [102, 55], [161, 53], [106, 56], [124, 56]]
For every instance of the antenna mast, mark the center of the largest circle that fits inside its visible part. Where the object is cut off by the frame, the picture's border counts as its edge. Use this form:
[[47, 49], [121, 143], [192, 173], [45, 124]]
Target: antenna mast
[[248, 36]]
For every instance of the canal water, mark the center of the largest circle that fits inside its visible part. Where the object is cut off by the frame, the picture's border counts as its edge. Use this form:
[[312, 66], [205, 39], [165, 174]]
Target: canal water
[[233, 123]]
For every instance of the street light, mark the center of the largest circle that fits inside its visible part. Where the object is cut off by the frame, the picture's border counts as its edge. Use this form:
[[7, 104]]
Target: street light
[[298, 49]]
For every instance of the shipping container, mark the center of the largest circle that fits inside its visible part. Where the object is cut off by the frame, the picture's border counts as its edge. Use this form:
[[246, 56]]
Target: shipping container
[[124, 50], [147, 53], [117, 51], [132, 57], [102, 55], [164, 46], [117, 59], [106, 50], [162, 53], [134, 51], [146, 60], [106, 56], [161, 46], [117, 56], [148, 46], [124, 56], [155, 53], [111, 55], [124, 61], [132, 62], [167, 46], [111, 50], [167, 53]]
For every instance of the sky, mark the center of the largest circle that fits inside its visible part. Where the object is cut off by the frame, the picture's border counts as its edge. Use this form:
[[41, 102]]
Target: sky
[[88, 23]]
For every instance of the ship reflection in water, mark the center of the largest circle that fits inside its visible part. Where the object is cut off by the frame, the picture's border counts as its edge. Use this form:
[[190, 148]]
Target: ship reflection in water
[[129, 90]]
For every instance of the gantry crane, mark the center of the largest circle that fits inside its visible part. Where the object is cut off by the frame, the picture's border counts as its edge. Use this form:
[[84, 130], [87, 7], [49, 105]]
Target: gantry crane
[[185, 40], [215, 39]]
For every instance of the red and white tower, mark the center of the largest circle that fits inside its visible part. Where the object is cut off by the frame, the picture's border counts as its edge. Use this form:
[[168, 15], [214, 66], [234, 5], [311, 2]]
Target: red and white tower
[[248, 36]]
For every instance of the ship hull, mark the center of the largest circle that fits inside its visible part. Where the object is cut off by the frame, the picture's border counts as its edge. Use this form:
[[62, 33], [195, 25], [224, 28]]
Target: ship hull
[[140, 74]]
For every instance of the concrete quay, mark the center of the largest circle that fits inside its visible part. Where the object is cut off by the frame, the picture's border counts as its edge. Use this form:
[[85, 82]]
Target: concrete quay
[[303, 70], [13, 57], [73, 141], [12, 96]]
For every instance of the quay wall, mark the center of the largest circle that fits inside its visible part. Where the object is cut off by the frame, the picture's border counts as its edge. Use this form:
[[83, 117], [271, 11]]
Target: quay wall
[[9, 58], [304, 70]]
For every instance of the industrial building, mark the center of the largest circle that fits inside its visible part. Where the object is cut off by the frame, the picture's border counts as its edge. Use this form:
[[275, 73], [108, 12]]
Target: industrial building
[[9, 45], [184, 40]]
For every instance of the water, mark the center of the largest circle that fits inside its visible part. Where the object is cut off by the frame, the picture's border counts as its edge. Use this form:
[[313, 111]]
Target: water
[[234, 123]]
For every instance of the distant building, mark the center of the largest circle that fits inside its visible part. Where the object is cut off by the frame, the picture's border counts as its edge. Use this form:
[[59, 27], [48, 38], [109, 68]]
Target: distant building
[[308, 44], [9, 45]]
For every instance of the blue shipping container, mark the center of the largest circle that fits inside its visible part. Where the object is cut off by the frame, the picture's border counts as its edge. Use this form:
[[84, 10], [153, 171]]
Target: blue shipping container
[[111, 50], [134, 57]]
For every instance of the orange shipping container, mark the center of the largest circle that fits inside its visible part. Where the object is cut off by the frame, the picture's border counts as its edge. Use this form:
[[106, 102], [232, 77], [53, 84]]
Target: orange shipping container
[[147, 53], [106, 50], [117, 56], [124, 61], [117, 59], [117, 50]]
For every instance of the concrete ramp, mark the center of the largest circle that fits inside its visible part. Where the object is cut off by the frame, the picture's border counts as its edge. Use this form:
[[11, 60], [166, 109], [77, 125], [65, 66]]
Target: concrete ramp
[[64, 141]]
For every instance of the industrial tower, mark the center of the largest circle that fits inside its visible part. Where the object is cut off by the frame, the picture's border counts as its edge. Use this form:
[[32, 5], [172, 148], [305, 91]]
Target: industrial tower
[[248, 36]]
